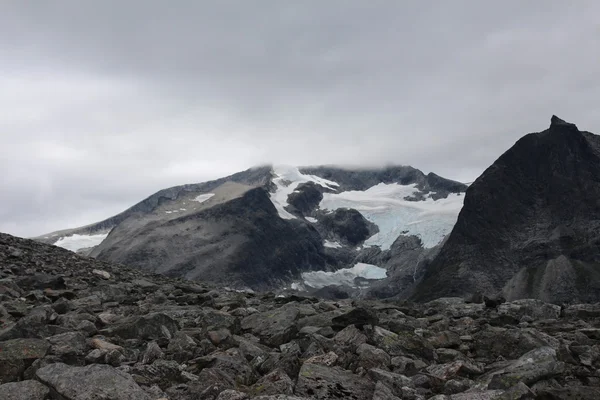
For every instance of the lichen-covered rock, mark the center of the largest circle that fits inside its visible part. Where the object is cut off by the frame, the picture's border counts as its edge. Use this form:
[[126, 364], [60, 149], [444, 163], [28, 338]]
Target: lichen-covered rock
[[24, 390], [532, 367], [90, 382], [274, 327], [322, 383], [18, 354]]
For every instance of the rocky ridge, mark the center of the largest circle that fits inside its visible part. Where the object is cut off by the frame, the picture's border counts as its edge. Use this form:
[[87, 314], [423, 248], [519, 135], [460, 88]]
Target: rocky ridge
[[74, 328]]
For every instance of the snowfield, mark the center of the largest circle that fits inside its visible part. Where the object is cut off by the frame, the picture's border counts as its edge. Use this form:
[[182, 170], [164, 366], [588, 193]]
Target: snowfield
[[384, 205], [320, 279], [76, 242], [203, 197], [332, 245], [286, 181]]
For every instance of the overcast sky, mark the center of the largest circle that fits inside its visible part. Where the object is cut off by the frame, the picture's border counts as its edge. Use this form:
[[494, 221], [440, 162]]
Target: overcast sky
[[102, 103]]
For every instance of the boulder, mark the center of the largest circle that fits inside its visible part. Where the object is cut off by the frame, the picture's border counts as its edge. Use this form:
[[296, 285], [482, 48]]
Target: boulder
[[91, 382], [532, 308], [274, 327], [24, 390], [275, 382], [532, 367], [152, 326], [18, 354], [321, 382]]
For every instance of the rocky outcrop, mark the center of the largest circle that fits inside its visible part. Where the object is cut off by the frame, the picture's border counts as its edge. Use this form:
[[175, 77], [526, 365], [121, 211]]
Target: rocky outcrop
[[529, 226], [347, 226], [306, 198], [104, 331]]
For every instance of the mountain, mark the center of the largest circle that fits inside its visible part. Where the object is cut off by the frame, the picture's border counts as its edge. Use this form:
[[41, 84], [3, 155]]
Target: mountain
[[277, 227], [530, 225]]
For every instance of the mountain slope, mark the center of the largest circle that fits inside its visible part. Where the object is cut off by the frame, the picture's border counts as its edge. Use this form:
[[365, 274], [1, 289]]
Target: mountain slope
[[94, 234], [530, 225]]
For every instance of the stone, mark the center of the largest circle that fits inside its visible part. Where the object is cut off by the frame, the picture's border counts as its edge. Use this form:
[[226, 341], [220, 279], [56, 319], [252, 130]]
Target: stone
[[401, 344], [101, 274], [18, 354], [68, 346], [372, 357], [520, 391], [91, 382], [275, 382], [382, 392], [231, 363], [321, 382], [350, 337], [532, 367], [445, 339], [493, 342], [569, 393], [230, 394], [24, 390], [152, 326], [274, 327], [394, 381], [358, 317], [102, 344], [328, 359], [532, 308], [460, 368], [153, 352]]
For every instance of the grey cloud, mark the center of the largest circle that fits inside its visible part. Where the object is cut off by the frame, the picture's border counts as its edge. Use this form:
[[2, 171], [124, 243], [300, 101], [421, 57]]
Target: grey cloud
[[102, 103]]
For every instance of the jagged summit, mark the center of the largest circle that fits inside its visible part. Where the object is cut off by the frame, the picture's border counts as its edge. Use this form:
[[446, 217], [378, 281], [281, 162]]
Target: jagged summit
[[557, 122]]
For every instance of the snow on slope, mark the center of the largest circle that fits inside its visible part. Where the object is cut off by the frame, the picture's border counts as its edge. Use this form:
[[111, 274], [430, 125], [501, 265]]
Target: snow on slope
[[319, 279], [286, 181], [203, 197], [384, 205], [76, 242], [333, 245]]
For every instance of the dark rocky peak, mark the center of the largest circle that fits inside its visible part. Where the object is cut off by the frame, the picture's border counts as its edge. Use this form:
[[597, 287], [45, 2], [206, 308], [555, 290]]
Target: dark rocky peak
[[505, 238]]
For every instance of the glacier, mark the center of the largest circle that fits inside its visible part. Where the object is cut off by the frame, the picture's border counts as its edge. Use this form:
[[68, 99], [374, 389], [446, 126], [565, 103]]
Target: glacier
[[385, 205]]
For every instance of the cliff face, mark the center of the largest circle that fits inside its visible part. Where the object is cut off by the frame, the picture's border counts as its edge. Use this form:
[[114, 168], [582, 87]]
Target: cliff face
[[530, 224]]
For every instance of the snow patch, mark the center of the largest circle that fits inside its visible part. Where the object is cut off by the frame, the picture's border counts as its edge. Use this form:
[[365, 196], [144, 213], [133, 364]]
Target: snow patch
[[385, 206], [311, 219], [320, 279], [332, 245], [203, 197], [76, 242], [286, 181]]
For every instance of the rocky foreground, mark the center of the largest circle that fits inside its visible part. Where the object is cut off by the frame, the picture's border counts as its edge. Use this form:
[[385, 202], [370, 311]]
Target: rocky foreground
[[74, 328]]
